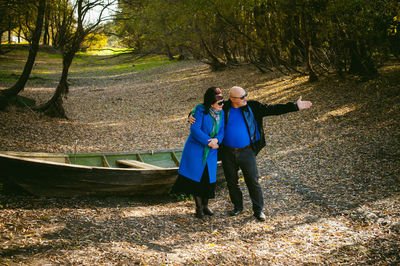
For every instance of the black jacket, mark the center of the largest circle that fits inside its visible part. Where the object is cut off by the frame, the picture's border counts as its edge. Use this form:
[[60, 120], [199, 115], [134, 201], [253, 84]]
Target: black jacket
[[259, 111]]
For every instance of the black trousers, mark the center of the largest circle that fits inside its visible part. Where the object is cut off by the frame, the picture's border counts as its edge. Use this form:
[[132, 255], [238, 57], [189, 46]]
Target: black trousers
[[245, 160]]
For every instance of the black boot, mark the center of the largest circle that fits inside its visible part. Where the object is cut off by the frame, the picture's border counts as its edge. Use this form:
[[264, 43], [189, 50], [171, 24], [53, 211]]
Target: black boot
[[199, 207], [206, 210]]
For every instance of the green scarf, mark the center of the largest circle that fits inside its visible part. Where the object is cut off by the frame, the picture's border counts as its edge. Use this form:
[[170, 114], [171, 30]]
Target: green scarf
[[214, 131], [216, 116]]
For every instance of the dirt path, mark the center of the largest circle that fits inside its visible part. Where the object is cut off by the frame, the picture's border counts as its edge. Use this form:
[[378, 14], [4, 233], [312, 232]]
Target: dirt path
[[330, 175]]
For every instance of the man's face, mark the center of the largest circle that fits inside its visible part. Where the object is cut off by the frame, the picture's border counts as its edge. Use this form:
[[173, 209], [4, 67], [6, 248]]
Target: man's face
[[238, 98]]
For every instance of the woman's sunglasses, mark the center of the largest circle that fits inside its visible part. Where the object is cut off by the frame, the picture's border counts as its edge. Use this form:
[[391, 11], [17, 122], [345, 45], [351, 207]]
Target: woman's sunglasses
[[220, 103]]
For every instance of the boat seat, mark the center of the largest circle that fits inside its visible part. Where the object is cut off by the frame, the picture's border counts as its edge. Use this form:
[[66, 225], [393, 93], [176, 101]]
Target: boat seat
[[136, 164]]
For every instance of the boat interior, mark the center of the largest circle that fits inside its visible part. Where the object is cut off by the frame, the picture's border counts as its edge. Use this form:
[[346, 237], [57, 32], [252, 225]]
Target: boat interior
[[140, 160]]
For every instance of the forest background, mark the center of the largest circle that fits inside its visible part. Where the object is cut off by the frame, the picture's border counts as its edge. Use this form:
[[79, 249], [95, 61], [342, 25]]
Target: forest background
[[98, 75], [312, 37]]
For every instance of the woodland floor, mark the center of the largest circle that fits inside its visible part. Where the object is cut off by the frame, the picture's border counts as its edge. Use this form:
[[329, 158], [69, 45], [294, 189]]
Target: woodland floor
[[330, 175]]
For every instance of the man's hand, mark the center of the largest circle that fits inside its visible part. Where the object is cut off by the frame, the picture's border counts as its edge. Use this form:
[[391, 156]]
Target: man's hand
[[213, 143], [303, 104], [191, 119]]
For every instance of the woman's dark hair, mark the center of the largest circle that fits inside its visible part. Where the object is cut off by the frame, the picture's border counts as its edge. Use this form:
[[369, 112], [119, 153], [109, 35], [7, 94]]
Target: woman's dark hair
[[211, 96]]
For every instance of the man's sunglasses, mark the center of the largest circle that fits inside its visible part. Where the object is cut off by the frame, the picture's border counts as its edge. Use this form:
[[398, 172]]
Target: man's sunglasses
[[241, 97]]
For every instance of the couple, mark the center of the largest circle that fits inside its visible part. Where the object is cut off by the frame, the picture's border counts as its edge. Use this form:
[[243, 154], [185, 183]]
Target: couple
[[235, 127]]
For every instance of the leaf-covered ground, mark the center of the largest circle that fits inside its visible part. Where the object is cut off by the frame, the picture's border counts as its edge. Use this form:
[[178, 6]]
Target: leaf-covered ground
[[330, 175]]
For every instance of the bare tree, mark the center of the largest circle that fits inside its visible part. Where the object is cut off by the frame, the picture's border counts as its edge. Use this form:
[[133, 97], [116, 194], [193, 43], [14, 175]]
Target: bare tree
[[6, 95], [72, 30]]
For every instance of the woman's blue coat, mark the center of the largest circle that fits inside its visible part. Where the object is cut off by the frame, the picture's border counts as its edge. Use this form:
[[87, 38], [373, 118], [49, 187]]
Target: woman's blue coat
[[191, 165]]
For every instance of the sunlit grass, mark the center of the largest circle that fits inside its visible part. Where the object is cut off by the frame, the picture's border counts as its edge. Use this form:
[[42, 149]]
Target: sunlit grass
[[152, 62], [117, 65], [44, 72], [50, 55], [21, 43], [105, 51], [103, 62]]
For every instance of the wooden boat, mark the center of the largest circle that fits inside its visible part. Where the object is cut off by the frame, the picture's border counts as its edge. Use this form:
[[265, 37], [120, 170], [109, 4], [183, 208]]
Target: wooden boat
[[100, 174]]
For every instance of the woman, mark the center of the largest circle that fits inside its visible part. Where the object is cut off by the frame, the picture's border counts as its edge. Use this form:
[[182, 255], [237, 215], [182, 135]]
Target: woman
[[198, 167]]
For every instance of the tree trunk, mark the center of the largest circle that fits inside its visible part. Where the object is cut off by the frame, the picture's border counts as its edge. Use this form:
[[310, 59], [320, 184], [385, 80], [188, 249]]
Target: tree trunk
[[312, 76], [307, 25], [169, 53], [19, 35], [54, 107], [46, 35], [355, 61], [9, 93], [1, 47], [53, 34], [3, 10], [229, 59], [361, 64], [215, 64]]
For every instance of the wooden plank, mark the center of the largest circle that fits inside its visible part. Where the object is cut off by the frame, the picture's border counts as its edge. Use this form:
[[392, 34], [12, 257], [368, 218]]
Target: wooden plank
[[32, 154], [163, 160], [105, 162], [49, 157], [137, 164], [111, 159], [173, 155]]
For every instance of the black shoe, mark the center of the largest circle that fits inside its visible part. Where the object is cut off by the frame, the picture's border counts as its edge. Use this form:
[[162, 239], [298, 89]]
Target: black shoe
[[260, 216], [207, 211], [199, 213], [235, 212]]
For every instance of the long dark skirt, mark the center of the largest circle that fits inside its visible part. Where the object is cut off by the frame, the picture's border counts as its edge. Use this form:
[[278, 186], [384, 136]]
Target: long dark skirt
[[204, 189]]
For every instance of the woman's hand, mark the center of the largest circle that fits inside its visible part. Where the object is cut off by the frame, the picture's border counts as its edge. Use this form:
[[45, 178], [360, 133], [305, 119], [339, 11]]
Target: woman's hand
[[191, 119], [213, 143]]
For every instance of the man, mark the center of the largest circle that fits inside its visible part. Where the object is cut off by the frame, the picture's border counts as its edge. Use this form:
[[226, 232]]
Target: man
[[244, 138]]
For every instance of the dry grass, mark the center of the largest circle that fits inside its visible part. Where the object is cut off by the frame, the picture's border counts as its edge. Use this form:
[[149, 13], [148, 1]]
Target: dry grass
[[330, 174]]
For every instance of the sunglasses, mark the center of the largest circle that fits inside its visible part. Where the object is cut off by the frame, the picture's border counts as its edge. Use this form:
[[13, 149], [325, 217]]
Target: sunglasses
[[241, 97], [220, 103]]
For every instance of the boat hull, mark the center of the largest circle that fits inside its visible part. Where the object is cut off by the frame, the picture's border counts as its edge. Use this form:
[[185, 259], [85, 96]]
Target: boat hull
[[55, 179]]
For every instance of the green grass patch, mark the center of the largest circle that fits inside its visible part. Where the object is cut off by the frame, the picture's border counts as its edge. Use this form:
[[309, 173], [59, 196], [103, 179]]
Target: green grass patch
[[105, 51], [10, 78], [50, 55], [7, 77], [152, 62], [102, 62], [117, 65], [43, 72]]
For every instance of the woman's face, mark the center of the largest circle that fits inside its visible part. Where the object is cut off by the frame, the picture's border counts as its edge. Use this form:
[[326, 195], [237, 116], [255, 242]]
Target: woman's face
[[218, 104]]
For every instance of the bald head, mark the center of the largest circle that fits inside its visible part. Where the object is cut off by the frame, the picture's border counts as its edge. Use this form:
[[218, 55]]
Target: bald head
[[236, 91], [235, 94]]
